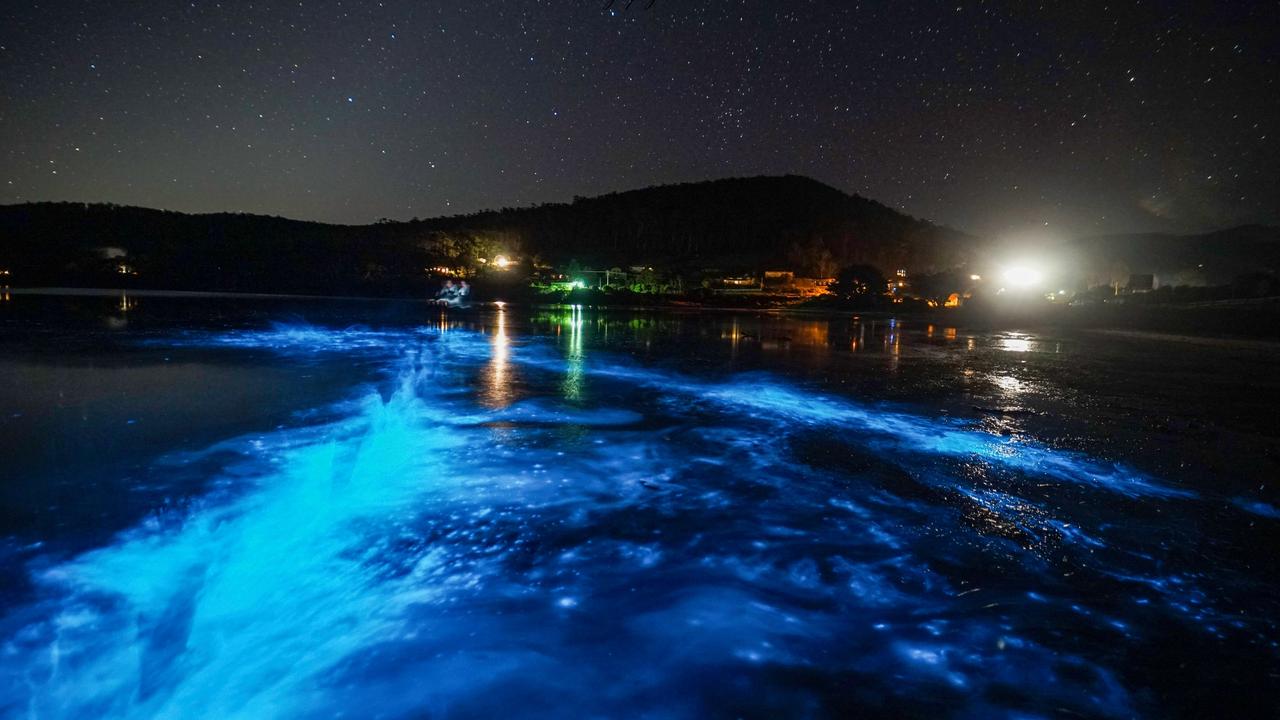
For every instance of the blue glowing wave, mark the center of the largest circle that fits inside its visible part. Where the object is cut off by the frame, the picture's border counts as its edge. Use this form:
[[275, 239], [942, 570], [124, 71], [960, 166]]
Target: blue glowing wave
[[761, 395], [1257, 507], [427, 554], [765, 397], [240, 607], [292, 339]]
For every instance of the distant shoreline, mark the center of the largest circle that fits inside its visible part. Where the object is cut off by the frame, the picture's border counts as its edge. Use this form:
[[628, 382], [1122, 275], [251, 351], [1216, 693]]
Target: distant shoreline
[[105, 292], [1234, 323]]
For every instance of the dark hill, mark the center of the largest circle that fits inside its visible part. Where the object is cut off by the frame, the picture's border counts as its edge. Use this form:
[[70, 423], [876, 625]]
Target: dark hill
[[736, 223], [741, 223], [77, 244], [1213, 258]]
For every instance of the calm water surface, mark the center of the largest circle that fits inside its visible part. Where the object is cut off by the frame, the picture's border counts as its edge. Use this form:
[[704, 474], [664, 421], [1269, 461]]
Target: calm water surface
[[269, 508]]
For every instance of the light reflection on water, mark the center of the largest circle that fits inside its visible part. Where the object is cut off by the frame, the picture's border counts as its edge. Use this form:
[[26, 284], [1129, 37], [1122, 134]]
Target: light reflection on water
[[575, 356], [689, 546], [1016, 344], [497, 383]]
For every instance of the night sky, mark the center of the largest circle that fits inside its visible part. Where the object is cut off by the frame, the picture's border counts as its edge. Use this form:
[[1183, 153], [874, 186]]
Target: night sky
[[990, 117]]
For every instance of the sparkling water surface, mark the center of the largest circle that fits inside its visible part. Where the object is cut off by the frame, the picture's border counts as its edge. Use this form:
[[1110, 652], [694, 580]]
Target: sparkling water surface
[[218, 508]]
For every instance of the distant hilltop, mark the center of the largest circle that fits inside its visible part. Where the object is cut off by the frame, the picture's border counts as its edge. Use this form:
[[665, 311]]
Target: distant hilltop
[[1213, 258], [732, 225], [735, 226], [736, 223]]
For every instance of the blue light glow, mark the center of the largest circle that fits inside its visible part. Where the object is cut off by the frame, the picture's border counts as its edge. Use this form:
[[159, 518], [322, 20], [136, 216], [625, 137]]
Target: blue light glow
[[485, 532]]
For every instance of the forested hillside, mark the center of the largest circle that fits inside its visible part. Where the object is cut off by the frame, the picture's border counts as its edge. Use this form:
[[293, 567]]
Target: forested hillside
[[735, 225]]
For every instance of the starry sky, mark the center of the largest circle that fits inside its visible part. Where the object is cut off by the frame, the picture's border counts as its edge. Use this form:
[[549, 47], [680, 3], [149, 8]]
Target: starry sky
[[995, 118]]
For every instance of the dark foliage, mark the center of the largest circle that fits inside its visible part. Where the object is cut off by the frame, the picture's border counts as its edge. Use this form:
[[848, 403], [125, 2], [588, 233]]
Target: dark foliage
[[734, 224], [858, 281], [85, 245]]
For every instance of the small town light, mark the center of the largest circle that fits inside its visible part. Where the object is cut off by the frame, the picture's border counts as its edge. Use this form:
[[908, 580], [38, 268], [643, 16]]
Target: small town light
[[975, 277]]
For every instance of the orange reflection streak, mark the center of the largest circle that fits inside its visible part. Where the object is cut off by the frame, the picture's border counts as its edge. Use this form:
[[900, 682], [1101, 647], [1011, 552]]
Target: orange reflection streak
[[814, 333], [497, 381], [860, 341], [441, 321]]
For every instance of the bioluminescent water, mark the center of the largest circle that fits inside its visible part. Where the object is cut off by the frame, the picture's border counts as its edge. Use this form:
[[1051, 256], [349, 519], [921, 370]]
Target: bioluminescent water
[[566, 513]]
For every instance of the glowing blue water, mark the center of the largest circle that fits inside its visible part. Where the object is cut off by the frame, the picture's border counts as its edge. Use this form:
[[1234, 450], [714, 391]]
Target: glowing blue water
[[502, 528]]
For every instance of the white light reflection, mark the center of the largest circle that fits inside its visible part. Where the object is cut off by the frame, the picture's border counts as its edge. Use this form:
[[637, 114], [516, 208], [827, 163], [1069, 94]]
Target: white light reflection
[[1015, 344], [1008, 384]]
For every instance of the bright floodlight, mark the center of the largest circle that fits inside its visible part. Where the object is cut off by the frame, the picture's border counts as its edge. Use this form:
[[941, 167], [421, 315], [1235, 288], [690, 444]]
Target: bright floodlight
[[502, 262], [1022, 276]]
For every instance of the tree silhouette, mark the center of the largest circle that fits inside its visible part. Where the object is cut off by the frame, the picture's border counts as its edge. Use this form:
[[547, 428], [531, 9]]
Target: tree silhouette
[[859, 281]]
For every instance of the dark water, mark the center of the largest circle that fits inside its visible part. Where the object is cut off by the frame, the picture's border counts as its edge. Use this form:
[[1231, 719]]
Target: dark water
[[268, 508]]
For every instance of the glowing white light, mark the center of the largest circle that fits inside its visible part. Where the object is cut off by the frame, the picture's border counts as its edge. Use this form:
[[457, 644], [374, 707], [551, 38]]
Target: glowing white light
[[975, 277], [502, 261], [499, 304], [1022, 277]]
